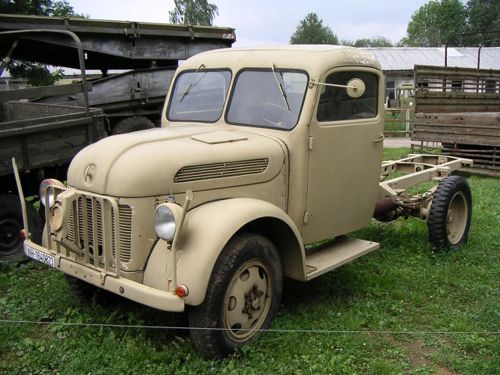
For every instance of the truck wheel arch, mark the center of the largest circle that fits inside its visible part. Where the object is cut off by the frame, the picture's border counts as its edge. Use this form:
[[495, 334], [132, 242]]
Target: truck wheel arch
[[209, 228]]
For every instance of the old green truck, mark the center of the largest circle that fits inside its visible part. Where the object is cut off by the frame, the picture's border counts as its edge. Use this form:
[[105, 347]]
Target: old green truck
[[264, 154]]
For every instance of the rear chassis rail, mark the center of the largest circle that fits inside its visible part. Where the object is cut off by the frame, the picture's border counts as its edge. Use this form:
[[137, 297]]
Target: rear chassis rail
[[412, 171]]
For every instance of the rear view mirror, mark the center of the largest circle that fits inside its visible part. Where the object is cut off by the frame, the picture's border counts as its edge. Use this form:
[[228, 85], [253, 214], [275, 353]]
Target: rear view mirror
[[355, 88]]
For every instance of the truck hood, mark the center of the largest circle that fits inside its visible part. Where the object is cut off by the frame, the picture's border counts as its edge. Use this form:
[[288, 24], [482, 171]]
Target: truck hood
[[159, 161]]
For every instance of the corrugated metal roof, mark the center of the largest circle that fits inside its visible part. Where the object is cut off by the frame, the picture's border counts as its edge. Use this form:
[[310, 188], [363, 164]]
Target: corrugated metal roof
[[404, 58]]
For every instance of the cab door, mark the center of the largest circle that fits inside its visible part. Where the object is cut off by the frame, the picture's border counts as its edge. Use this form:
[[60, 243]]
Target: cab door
[[346, 135]]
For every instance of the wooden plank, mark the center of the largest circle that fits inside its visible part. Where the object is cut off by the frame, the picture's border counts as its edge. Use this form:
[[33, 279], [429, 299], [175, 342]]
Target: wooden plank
[[429, 70], [447, 105], [42, 91], [457, 131], [486, 119], [47, 149], [10, 148], [447, 138], [481, 172]]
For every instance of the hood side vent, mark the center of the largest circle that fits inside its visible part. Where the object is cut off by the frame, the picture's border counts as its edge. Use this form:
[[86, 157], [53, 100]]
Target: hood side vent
[[221, 170]]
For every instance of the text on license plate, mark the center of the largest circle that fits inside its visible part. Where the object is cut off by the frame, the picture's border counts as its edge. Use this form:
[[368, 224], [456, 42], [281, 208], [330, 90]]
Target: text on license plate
[[38, 255]]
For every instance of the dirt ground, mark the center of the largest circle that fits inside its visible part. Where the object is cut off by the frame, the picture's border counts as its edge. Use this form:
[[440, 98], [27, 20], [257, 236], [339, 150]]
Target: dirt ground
[[395, 142]]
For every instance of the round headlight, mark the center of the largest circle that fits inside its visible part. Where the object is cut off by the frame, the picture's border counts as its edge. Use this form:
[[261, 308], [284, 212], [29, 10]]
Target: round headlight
[[56, 217], [49, 198], [165, 222]]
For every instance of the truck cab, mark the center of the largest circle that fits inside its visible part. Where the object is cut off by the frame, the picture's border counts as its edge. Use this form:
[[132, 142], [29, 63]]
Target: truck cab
[[299, 97], [263, 153]]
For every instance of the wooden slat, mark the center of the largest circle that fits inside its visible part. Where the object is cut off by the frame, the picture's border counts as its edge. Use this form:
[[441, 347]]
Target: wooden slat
[[42, 91]]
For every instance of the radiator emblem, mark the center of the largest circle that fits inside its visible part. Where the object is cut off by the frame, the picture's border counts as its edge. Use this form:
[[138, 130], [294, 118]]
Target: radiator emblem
[[89, 173]]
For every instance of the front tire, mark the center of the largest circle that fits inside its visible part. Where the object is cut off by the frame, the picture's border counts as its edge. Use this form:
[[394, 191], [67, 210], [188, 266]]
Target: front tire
[[83, 291], [243, 296], [450, 213]]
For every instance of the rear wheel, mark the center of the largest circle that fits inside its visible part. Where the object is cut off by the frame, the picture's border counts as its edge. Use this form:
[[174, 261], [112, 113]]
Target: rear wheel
[[11, 223], [242, 298], [450, 213], [132, 124]]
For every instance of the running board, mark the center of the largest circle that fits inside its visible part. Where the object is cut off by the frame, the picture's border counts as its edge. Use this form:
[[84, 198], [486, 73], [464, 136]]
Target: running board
[[335, 254]]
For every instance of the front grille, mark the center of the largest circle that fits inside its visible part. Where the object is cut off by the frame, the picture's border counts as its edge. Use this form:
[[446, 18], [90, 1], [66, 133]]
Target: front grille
[[221, 170], [87, 216]]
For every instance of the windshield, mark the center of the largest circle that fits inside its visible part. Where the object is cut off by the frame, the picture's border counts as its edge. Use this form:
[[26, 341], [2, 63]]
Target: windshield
[[271, 99], [199, 96]]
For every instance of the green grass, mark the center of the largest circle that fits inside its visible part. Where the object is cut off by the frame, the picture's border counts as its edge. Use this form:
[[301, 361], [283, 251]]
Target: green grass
[[396, 121], [403, 287]]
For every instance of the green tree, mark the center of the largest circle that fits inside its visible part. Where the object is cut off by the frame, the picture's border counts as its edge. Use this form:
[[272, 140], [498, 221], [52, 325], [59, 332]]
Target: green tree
[[30, 7], [312, 31], [378, 41], [37, 74], [193, 12], [484, 19], [436, 23], [60, 8]]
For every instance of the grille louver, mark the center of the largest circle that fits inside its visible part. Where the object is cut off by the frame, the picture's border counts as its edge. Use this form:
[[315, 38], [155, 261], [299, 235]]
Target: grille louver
[[221, 170], [76, 226]]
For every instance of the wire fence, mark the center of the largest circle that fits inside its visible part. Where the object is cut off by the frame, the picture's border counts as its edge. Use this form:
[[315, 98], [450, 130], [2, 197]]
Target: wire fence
[[270, 330]]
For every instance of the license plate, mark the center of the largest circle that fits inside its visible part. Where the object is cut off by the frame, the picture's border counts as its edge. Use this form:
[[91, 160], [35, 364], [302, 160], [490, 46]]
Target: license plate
[[38, 255]]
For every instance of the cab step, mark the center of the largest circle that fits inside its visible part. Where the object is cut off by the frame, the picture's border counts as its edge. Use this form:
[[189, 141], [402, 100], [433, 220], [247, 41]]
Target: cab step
[[334, 254]]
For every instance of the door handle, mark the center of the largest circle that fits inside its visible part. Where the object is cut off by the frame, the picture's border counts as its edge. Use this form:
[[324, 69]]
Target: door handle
[[379, 139]]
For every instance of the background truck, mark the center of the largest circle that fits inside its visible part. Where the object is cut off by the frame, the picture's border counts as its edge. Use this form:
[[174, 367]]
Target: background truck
[[267, 159], [43, 138], [44, 127], [144, 54], [460, 108]]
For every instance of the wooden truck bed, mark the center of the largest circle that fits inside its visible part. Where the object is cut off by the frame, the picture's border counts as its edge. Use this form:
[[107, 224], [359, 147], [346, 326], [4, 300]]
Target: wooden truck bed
[[460, 108], [39, 135]]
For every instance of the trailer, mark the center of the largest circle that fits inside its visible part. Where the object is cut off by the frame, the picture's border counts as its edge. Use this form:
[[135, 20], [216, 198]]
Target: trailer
[[460, 108]]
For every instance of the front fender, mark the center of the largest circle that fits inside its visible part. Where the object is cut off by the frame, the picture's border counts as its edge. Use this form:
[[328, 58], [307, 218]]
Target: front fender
[[209, 227]]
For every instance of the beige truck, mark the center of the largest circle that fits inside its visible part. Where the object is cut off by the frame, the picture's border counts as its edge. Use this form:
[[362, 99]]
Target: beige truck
[[266, 160]]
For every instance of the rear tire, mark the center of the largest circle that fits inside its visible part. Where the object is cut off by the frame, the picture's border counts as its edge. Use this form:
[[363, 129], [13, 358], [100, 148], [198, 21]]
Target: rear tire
[[450, 213], [242, 297], [132, 124], [11, 223]]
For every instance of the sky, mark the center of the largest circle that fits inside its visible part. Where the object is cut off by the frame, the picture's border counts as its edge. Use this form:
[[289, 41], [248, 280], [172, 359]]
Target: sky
[[272, 22]]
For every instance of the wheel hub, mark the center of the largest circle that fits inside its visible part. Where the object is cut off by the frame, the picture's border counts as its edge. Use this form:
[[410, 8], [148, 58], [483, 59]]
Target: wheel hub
[[252, 301], [456, 220], [247, 300], [450, 217]]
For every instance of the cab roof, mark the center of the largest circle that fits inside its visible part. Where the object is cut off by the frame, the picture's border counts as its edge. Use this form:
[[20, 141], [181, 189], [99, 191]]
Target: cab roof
[[315, 59]]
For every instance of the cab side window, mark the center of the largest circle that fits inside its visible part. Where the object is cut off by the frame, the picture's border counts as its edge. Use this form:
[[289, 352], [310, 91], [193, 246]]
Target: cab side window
[[335, 104]]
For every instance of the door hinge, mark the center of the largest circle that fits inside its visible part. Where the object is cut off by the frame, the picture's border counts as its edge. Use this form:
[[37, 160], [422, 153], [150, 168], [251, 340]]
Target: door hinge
[[306, 217], [311, 142]]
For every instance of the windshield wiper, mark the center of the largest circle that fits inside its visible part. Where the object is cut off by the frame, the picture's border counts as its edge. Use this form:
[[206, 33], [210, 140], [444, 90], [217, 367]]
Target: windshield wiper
[[193, 84], [280, 87]]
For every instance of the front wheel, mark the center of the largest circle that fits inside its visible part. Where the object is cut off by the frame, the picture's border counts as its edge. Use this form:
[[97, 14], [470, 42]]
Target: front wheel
[[450, 213], [243, 296]]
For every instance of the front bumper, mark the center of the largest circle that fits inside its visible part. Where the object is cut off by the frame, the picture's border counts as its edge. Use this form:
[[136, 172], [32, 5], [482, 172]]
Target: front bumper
[[132, 290]]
